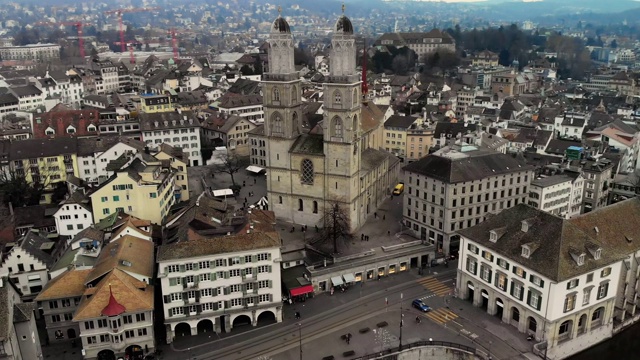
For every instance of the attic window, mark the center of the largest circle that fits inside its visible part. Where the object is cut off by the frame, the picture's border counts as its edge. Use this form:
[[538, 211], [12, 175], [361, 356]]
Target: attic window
[[71, 130], [126, 263], [526, 251], [91, 128], [580, 260], [493, 236], [525, 226], [597, 254], [49, 131]]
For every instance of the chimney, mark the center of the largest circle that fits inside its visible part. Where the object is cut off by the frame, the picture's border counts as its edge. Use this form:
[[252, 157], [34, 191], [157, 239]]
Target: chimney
[[146, 150]]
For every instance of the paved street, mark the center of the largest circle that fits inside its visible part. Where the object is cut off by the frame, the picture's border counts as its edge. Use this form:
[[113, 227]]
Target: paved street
[[325, 318]]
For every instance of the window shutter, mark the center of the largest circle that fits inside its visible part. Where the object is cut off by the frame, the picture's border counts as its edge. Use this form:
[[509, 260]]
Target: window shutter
[[269, 256], [512, 289], [182, 268], [227, 291], [254, 258], [529, 297], [539, 302], [196, 266], [213, 276], [241, 259], [173, 282], [270, 267], [531, 278], [566, 301], [568, 285], [226, 304], [541, 283], [167, 299], [524, 274], [226, 274], [490, 273], [212, 264], [483, 253], [199, 308], [270, 283], [242, 272], [215, 306]]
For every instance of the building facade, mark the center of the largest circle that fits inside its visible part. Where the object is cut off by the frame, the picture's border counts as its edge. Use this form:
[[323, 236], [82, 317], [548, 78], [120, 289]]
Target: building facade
[[35, 52], [561, 290], [215, 284], [560, 194], [456, 188], [179, 129], [19, 339], [74, 215]]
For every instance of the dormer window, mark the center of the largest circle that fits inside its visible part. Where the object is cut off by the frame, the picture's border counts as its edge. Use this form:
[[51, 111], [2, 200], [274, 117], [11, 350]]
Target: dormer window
[[71, 130], [49, 131], [597, 254], [91, 128], [525, 227], [493, 236], [526, 252], [581, 259]]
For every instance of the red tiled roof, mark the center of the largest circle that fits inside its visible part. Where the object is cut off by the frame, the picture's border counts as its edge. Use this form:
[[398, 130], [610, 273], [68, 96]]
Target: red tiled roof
[[59, 119]]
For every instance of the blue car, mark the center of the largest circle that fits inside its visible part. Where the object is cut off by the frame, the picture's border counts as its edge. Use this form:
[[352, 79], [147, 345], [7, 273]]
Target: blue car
[[418, 304]]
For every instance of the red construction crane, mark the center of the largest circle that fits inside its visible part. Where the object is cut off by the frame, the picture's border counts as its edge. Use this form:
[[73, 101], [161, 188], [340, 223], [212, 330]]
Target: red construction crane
[[77, 24], [174, 44], [119, 13]]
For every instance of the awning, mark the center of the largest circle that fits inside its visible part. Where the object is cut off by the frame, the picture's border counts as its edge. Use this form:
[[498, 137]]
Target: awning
[[254, 169], [499, 303], [485, 295], [349, 278], [301, 290], [336, 281], [223, 192], [470, 286]]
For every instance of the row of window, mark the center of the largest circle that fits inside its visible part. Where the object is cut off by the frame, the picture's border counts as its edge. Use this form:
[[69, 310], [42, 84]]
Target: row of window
[[114, 323], [207, 264], [211, 292], [128, 334]]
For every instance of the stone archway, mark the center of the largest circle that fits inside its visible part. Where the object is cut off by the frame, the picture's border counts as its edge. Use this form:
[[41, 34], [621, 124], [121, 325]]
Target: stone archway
[[470, 291], [532, 325], [106, 355], [134, 352], [266, 317], [205, 326], [182, 329], [241, 320], [515, 316], [484, 298], [499, 308]]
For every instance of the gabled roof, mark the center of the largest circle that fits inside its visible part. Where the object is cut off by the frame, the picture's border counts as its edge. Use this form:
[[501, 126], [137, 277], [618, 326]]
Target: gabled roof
[[132, 294], [37, 148], [398, 121], [32, 243], [68, 285], [128, 253], [60, 119]]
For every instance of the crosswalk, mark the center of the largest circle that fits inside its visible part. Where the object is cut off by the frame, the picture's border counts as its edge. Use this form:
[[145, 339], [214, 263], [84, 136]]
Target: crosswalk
[[435, 286], [441, 315]]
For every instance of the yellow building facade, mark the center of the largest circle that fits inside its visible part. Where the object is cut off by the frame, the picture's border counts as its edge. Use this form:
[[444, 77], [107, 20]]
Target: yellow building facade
[[179, 161], [148, 192]]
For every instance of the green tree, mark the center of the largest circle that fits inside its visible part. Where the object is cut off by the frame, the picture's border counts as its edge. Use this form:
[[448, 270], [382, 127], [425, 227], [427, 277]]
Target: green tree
[[230, 163], [15, 189]]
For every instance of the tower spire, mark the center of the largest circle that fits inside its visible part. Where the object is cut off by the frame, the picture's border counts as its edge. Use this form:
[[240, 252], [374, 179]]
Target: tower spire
[[279, 10]]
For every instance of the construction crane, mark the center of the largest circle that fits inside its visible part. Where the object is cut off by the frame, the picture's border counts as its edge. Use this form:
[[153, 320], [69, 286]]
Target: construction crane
[[119, 13], [78, 25], [174, 44]]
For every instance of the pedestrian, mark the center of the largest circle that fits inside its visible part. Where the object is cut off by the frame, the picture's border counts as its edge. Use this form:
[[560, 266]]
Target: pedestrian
[[317, 228], [243, 183], [348, 339], [361, 237], [245, 200], [384, 217], [254, 181], [375, 215], [367, 237], [389, 232]]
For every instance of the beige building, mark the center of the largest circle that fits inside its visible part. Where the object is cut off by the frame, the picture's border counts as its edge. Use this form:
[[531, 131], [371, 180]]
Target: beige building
[[232, 130], [419, 141], [179, 160], [19, 339], [143, 186], [336, 162], [35, 52], [456, 187], [396, 130], [422, 43]]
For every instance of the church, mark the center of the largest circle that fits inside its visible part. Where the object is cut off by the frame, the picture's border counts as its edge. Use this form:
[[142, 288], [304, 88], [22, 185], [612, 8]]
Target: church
[[341, 159]]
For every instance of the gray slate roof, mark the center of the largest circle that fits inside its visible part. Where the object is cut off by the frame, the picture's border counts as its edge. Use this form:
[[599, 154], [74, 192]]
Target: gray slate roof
[[398, 121], [479, 164], [31, 243]]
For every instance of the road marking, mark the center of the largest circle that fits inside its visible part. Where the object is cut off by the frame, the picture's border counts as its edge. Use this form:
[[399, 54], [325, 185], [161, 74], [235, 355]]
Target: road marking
[[441, 316], [434, 285]]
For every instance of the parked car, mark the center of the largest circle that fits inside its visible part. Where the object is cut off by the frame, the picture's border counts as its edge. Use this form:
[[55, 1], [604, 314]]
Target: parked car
[[420, 305], [398, 189]]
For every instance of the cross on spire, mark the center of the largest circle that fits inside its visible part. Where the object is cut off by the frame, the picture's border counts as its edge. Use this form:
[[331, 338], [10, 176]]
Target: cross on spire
[[343, 7], [279, 10]]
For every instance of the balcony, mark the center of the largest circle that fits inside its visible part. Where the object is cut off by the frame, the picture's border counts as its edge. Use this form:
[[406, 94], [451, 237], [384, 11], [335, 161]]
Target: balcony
[[248, 278], [69, 169]]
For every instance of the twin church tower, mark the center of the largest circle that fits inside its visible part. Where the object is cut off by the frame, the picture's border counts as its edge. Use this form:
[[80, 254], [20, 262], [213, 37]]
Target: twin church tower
[[341, 162]]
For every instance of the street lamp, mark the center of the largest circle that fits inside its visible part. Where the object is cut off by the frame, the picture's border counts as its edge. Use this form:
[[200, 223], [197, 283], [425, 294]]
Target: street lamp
[[300, 338], [401, 315]]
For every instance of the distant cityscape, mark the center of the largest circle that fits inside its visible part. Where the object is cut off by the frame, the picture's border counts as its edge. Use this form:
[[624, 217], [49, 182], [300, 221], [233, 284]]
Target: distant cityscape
[[248, 180]]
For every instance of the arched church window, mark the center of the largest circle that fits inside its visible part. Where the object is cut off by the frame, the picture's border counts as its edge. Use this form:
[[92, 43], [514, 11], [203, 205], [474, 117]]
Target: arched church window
[[337, 97], [337, 127], [354, 126], [294, 122], [307, 171], [355, 96], [276, 94], [277, 123], [294, 94]]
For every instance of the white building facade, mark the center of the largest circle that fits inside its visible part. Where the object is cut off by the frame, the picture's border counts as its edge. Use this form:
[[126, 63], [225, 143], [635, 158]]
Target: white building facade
[[207, 290], [180, 129], [561, 290], [72, 217]]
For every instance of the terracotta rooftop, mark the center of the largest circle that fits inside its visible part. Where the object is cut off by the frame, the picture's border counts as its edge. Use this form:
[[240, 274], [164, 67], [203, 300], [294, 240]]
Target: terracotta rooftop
[[70, 284], [128, 253]]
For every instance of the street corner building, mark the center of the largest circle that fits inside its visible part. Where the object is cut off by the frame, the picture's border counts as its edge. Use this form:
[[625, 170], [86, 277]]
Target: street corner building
[[212, 284], [337, 161], [568, 283]]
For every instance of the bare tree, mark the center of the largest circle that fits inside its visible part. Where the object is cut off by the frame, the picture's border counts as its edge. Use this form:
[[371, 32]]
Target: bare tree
[[335, 225], [230, 163], [16, 189]]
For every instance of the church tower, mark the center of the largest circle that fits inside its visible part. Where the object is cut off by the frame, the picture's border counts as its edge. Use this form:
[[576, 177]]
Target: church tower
[[341, 122], [281, 96]]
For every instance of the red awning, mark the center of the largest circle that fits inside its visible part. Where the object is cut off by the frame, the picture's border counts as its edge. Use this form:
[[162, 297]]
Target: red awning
[[301, 290]]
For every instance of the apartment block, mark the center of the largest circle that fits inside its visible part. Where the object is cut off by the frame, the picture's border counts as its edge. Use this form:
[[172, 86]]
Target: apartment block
[[559, 194], [456, 187], [214, 284]]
